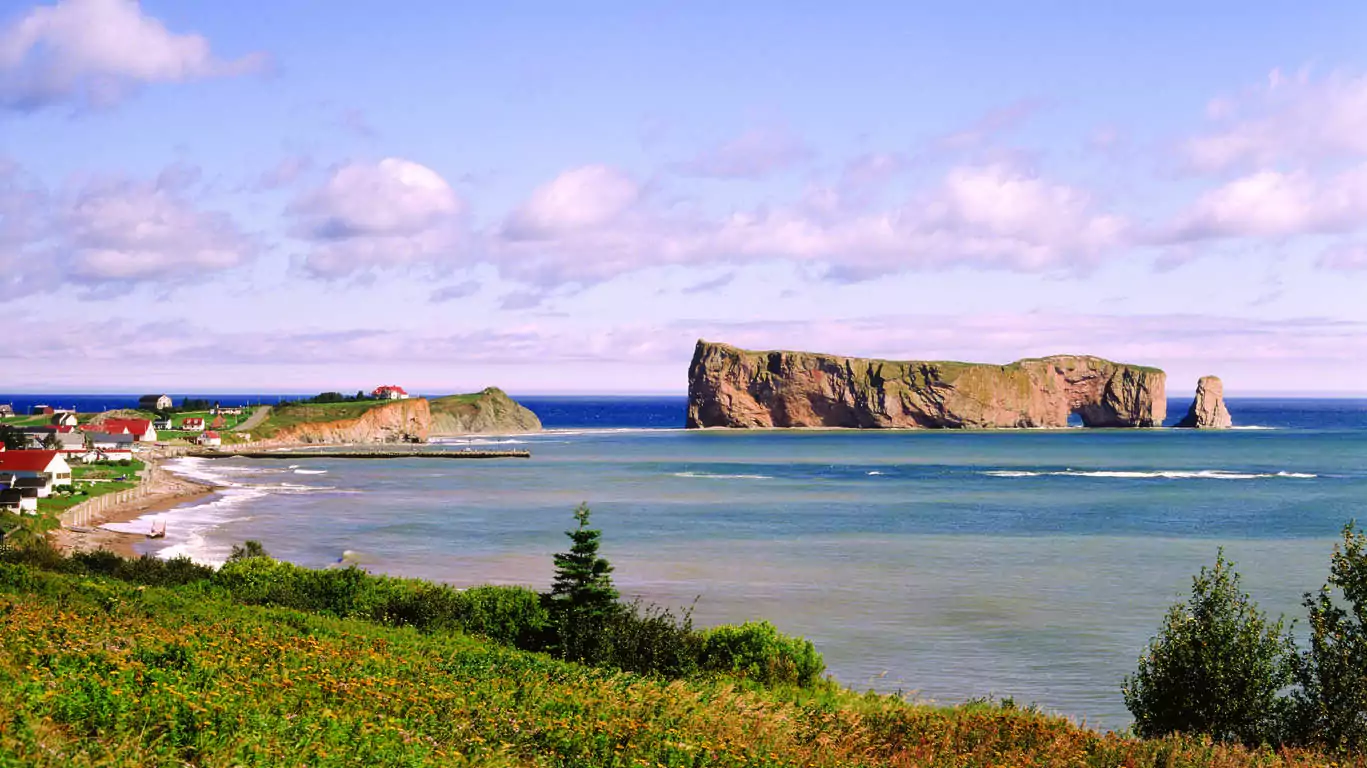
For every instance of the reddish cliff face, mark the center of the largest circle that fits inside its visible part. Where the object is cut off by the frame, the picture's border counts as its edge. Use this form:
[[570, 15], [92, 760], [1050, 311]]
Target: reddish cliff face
[[730, 387], [396, 422], [1208, 410]]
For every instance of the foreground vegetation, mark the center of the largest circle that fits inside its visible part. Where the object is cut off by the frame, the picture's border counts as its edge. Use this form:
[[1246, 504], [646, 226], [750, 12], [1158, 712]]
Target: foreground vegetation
[[1222, 668], [100, 671]]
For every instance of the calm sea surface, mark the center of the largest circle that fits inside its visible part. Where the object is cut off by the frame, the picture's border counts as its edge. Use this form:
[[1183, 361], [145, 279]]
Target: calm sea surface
[[1032, 564]]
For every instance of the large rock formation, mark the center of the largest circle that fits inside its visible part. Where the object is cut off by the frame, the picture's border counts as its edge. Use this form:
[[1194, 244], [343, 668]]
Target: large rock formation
[[490, 411], [730, 387], [1208, 410], [398, 421]]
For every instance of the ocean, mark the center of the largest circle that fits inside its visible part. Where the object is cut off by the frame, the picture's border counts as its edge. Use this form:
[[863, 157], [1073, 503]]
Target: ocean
[[945, 565]]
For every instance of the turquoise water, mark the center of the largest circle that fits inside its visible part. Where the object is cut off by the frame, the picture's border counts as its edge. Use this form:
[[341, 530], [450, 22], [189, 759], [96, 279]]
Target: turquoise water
[[944, 564]]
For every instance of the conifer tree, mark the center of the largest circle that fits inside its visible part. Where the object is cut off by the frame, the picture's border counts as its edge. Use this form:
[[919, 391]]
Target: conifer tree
[[583, 580]]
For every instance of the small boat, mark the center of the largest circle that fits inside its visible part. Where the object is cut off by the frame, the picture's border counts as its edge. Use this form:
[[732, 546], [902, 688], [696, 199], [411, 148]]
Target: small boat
[[157, 532]]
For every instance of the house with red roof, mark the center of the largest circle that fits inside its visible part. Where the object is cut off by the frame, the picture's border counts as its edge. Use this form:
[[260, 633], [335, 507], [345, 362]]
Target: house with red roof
[[389, 392], [46, 465], [192, 424], [209, 438], [141, 429]]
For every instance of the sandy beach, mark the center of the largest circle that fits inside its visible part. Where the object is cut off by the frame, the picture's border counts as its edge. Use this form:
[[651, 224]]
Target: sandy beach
[[166, 491]]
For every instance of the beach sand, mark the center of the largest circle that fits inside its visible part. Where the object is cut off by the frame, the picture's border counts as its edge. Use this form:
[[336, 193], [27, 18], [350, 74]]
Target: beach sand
[[166, 492]]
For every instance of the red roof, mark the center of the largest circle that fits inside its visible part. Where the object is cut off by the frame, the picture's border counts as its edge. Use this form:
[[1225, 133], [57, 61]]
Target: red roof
[[26, 461], [134, 426], [387, 388], [210, 435]]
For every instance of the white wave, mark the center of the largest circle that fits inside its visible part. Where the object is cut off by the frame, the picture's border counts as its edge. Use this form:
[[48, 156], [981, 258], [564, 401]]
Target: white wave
[[712, 476], [1203, 474], [310, 471], [873, 473]]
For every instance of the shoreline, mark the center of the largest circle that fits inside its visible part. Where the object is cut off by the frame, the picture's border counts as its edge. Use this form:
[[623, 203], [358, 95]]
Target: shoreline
[[166, 492]]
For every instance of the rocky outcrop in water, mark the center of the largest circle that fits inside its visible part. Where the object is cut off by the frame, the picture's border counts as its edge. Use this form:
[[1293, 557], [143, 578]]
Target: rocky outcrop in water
[[399, 421], [1208, 410], [731, 387]]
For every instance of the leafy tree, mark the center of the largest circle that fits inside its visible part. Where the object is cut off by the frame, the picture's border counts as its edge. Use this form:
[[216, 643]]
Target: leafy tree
[[248, 549], [1216, 667], [13, 439], [1331, 703], [51, 442], [583, 580]]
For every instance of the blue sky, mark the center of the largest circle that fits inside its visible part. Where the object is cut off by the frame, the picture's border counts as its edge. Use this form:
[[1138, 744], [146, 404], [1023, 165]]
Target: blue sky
[[564, 197]]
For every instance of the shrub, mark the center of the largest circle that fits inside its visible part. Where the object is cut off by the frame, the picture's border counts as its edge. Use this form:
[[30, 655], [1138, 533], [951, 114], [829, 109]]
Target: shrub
[[1331, 703], [510, 615], [1215, 668], [651, 640], [758, 651]]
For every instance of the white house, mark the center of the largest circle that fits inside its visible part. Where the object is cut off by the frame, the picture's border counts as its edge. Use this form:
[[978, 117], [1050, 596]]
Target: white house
[[103, 441], [389, 392], [49, 466], [209, 438], [154, 402], [192, 424]]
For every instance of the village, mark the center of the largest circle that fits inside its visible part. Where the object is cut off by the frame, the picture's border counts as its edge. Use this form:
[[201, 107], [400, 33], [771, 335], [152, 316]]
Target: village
[[53, 459]]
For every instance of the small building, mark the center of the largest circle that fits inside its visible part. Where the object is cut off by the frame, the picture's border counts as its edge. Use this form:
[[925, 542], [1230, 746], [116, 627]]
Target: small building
[[192, 424], [19, 500], [162, 424], [218, 423], [63, 419], [41, 410], [154, 403], [105, 441], [6, 410], [209, 438], [389, 392], [226, 411], [48, 465], [141, 429]]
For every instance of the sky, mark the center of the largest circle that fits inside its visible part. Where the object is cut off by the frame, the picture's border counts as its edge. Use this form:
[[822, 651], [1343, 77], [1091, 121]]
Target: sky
[[290, 196]]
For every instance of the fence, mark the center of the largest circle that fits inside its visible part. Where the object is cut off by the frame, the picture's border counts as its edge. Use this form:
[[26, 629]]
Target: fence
[[92, 510]]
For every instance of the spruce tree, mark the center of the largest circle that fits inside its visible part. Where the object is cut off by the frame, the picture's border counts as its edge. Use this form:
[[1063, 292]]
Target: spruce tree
[[583, 580]]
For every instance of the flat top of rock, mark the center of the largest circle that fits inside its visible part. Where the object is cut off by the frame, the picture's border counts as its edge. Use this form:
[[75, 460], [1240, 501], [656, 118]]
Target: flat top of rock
[[1051, 359]]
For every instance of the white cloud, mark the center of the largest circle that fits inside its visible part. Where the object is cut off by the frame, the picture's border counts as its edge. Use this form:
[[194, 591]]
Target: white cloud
[[95, 51], [1276, 204], [1297, 118], [378, 215], [755, 154], [577, 200], [113, 232], [993, 216]]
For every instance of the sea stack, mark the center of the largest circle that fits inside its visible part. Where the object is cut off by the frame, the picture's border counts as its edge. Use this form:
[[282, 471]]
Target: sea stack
[[1208, 410], [731, 387]]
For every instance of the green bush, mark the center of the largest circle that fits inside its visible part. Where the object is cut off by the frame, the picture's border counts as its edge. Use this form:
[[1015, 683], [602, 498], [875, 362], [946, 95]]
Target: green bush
[[758, 651], [510, 615], [1331, 703], [651, 640], [1215, 668]]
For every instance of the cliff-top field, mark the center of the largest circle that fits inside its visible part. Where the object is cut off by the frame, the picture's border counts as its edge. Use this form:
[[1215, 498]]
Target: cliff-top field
[[101, 672]]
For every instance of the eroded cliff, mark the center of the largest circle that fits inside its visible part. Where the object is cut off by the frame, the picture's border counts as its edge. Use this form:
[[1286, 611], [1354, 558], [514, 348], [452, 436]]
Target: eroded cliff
[[397, 421], [731, 387], [1208, 410], [487, 412]]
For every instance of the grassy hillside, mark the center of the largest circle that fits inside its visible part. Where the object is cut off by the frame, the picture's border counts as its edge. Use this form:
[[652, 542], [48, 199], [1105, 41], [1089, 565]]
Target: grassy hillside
[[102, 672], [287, 415], [487, 411]]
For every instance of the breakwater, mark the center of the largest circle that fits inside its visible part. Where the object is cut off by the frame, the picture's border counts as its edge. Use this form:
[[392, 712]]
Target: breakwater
[[388, 453]]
